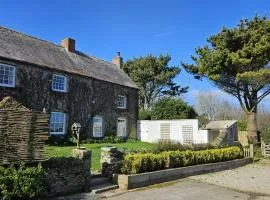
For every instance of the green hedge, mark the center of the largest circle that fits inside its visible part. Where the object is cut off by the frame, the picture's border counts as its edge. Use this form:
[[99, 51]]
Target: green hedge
[[21, 183], [147, 162]]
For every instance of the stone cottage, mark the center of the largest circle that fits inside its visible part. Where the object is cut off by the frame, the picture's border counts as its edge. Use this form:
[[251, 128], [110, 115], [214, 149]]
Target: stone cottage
[[68, 84]]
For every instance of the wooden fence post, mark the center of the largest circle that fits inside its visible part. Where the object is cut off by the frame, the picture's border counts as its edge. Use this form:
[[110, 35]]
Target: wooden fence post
[[251, 148]]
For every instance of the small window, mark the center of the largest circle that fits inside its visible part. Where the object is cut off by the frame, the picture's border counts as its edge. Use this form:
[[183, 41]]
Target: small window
[[165, 130], [98, 126], [187, 131], [7, 75], [121, 101], [58, 123], [59, 83]]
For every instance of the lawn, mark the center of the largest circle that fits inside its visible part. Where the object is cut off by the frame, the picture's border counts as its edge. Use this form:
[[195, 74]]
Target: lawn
[[57, 151]]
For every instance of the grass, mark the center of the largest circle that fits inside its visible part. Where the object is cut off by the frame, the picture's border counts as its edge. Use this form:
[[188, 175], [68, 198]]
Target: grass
[[58, 151]]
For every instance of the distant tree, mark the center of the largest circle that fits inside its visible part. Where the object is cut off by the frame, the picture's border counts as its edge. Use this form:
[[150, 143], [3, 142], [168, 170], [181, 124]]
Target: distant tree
[[203, 120], [154, 77], [215, 107], [237, 61], [172, 108]]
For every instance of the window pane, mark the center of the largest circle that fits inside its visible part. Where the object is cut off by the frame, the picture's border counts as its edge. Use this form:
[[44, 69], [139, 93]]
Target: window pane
[[59, 83], [7, 74], [57, 123], [98, 127], [121, 101]]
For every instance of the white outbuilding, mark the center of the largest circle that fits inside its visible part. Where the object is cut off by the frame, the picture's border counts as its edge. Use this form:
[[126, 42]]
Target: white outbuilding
[[184, 131]]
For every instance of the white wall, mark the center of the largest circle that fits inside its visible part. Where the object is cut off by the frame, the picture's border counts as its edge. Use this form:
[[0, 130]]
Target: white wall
[[149, 130], [202, 137]]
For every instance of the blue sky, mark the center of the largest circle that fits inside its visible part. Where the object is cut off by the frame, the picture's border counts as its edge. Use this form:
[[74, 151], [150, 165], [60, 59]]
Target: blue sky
[[135, 28]]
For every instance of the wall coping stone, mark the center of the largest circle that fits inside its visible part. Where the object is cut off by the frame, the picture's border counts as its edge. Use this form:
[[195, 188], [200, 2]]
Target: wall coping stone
[[132, 181]]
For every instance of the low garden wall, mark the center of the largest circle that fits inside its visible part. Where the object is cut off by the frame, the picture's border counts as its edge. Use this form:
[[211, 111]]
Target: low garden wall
[[135, 170], [68, 175], [127, 182], [49, 178]]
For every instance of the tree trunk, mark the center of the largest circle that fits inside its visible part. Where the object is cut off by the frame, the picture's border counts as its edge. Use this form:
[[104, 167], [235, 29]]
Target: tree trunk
[[252, 126]]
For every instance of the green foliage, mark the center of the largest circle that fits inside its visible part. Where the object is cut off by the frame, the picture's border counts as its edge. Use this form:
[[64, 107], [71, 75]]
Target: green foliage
[[147, 162], [154, 77], [168, 145], [106, 139], [242, 125], [172, 108], [237, 61], [265, 134], [144, 114], [21, 183]]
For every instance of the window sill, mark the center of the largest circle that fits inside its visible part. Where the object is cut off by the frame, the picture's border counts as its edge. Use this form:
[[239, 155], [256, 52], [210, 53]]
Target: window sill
[[122, 108], [60, 91], [55, 133], [8, 86]]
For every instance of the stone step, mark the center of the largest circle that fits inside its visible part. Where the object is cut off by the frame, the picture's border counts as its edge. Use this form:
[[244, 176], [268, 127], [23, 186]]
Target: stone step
[[97, 189], [99, 180]]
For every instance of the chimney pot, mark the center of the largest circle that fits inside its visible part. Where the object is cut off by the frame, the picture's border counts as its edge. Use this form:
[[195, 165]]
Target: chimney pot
[[68, 44], [118, 60]]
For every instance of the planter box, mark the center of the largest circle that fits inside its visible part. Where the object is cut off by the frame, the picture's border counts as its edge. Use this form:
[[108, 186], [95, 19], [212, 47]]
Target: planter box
[[148, 178]]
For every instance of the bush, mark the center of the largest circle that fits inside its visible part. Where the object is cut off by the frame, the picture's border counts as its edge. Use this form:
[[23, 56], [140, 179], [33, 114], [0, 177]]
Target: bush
[[265, 134], [172, 108], [21, 183], [147, 162], [169, 145], [144, 115]]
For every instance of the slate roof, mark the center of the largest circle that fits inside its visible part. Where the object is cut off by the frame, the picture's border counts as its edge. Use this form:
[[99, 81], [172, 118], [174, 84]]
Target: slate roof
[[20, 47], [222, 124]]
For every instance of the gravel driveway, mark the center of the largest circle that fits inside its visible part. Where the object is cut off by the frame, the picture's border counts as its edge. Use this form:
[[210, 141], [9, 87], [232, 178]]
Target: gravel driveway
[[253, 178]]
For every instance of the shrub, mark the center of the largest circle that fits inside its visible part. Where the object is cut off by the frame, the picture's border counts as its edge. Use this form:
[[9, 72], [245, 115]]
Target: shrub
[[265, 134], [147, 162], [172, 108], [21, 183], [169, 145], [144, 115]]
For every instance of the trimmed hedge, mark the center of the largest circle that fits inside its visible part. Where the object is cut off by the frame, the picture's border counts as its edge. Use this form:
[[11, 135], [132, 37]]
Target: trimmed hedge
[[21, 183], [147, 162]]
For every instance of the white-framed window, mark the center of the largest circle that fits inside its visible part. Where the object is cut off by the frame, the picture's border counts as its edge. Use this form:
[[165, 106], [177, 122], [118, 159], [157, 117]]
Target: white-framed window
[[59, 83], [7, 75], [58, 123], [98, 126], [121, 127], [121, 102]]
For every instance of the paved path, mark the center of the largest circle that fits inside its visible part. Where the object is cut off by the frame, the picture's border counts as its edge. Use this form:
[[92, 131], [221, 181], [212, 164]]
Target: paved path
[[188, 190], [254, 178]]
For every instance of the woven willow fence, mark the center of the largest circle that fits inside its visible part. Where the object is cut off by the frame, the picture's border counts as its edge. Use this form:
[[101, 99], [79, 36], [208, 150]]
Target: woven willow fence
[[22, 136]]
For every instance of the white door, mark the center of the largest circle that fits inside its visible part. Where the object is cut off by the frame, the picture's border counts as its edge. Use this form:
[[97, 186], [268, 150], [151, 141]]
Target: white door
[[122, 127]]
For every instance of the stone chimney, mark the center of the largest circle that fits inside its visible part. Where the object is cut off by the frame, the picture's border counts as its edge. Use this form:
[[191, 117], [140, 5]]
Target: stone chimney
[[118, 60], [69, 44]]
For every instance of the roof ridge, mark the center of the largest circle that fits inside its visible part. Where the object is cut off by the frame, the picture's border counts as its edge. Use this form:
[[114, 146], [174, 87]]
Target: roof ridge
[[30, 36], [46, 41]]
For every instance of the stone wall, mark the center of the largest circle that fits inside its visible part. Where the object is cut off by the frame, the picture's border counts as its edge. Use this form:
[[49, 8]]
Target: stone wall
[[67, 175], [86, 97], [110, 161]]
